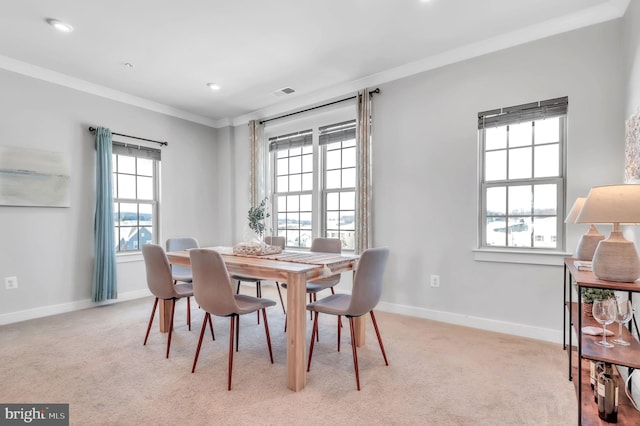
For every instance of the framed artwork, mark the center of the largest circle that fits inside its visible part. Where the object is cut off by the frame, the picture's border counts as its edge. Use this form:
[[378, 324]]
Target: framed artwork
[[632, 149], [30, 177]]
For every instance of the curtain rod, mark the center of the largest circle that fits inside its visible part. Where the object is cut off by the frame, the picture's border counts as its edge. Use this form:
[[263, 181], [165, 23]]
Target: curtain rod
[[376, 90], [93, 129]]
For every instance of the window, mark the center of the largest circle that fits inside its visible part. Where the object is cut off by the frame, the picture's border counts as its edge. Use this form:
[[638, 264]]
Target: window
[[294, 187], [338, 144], [314, 184], [135, 196], [522, 175]]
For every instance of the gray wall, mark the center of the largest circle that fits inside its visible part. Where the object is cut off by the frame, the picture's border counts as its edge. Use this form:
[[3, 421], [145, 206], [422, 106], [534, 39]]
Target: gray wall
[[425, 130], [425, 179], [425, 175], [50, 250], [632, 60]]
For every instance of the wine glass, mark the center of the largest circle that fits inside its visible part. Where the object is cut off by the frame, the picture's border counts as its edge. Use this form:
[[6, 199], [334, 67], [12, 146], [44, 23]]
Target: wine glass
[[604, 311], [624, 312]]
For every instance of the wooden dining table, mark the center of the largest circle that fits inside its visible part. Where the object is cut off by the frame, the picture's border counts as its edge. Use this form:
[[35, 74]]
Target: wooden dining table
[[295, 268]]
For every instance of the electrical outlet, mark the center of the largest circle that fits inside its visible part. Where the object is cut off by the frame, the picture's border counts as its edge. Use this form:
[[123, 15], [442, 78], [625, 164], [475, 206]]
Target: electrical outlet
[[435, 280], [10, 283]]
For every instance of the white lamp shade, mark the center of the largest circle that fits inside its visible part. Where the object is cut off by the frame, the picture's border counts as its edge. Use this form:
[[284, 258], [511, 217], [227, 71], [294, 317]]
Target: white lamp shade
[[575, 210], [611, 204], [615, 259]]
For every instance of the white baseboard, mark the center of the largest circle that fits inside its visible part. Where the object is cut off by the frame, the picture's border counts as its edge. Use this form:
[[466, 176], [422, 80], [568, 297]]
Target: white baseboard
[[538, 333], [549, 335], [62, 308]]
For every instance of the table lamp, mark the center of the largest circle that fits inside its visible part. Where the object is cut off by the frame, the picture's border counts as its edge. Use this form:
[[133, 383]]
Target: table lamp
[[615, 258], [589, 241]]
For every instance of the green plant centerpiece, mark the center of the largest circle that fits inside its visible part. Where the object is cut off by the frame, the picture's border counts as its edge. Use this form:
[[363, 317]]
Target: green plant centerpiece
[[255, 245], [257, 216]]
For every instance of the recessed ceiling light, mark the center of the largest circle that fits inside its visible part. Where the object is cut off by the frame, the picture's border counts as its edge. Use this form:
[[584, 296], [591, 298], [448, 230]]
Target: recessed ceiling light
[[59, 25], [213, 86], [128, 65]]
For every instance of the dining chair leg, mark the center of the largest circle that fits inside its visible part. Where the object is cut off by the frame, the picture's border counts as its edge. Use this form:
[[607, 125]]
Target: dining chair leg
[[211, 327], [311, 301], [315, 299], [339, 327], [189, 312], [375, 325], [230, 368], [313, 332], [153, 312], [173, 309], [237, 331], [281, 301], [354, 350], [266, 331], [204, 326], [258, 294]]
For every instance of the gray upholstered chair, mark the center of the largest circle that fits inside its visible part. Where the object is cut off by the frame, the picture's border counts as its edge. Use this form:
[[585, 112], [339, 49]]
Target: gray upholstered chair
[[273, 241], [179, 272], [365, 295], [213, 290], [323, 245], [162, 286]]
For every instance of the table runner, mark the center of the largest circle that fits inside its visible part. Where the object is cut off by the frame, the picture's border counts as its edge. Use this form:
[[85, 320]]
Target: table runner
[[307, 258], [296, 257]]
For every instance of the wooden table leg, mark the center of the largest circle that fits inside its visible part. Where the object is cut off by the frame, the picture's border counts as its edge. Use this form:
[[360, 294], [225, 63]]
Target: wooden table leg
[[359, 328], [296, 331], [164, 314]]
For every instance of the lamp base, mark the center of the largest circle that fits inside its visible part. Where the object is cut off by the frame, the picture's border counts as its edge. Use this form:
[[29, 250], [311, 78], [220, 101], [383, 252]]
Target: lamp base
[[587, 246], [616, 259]]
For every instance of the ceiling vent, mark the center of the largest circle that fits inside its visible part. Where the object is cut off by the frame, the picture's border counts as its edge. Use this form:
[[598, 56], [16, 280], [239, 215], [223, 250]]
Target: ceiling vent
[[284, 91]]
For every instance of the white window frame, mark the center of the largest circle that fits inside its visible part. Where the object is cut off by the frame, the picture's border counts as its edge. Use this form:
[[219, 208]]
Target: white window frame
[[511, 115], [135, 151], [326, 117]]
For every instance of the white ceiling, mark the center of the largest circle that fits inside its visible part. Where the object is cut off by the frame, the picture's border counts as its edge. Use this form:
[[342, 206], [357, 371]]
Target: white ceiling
[[252, 48]]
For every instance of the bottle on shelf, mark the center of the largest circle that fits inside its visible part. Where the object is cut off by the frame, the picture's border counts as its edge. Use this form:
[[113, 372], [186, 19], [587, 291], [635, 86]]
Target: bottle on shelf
[[607, 394], [594, 371]]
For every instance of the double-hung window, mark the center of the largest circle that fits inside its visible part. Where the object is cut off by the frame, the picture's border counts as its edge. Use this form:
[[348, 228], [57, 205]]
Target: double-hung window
[[338, 144], [135, 196], [293, 186], [314, 184], [522, 182]]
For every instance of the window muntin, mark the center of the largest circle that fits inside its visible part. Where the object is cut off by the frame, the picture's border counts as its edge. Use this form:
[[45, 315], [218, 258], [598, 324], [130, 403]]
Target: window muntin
[[522, 176], [135, 189], [314, 184], [294, 194], [339, 193]]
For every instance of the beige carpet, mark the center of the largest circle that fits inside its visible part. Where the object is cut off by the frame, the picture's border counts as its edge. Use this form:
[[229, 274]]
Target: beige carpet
[[439, 374]]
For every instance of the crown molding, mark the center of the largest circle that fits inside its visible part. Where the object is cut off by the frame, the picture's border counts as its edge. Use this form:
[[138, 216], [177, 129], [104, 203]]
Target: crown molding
[[55, 77], [613, 9]]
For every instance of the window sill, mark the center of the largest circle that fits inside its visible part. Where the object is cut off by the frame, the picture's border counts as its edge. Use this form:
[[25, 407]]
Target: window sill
[[554, 258], [129, 257]]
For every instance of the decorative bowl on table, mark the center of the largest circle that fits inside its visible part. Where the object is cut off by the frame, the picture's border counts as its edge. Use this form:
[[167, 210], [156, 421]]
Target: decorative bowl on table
[[255, 249]]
